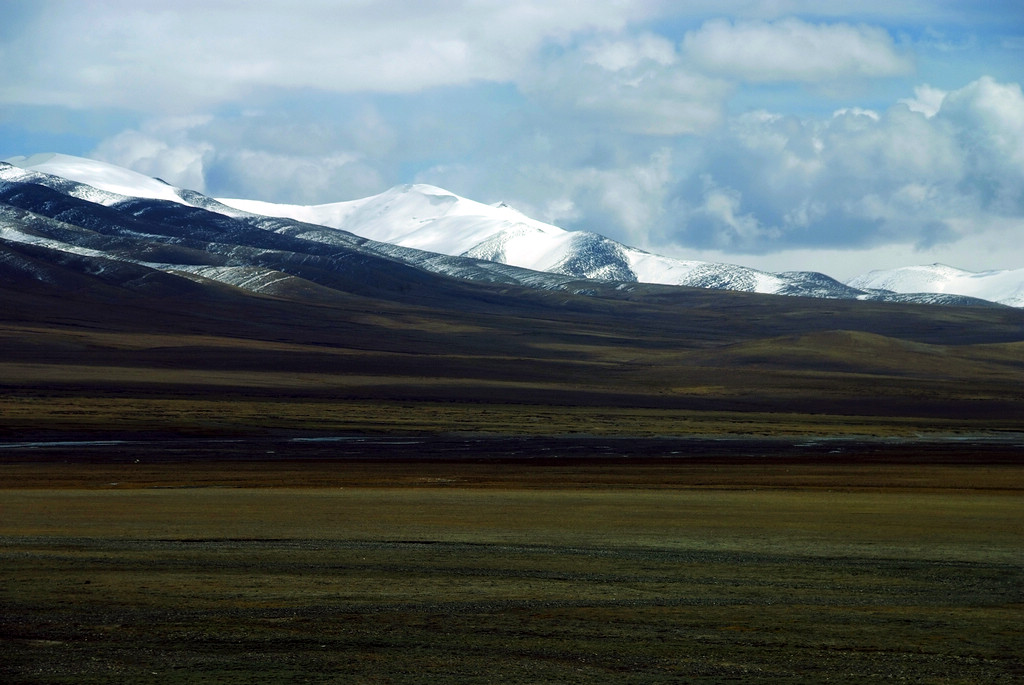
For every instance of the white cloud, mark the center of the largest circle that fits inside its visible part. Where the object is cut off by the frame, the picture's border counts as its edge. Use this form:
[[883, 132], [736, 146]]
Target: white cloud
[[794, 50], [191, 54], [989, 116], [162, 149], [985, 250], [634, 84], [192, 152], [634, 196], [876, 152], [926, 100], [619, 55], [933, 186], [263, 175], [857, 112], [721, 208]]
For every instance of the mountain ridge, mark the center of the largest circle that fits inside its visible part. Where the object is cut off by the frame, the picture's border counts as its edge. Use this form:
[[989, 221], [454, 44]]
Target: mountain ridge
[[1005, 286], [422, 225]]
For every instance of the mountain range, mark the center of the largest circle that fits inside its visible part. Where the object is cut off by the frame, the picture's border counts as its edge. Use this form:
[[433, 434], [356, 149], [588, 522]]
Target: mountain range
[[128, 306], [432, 229]]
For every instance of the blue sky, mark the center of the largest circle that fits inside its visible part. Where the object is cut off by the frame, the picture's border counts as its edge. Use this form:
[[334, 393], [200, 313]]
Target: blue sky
[[774, 134]]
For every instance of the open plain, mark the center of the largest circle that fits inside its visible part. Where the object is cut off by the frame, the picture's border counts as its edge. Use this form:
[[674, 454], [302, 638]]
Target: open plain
[[668, 561]]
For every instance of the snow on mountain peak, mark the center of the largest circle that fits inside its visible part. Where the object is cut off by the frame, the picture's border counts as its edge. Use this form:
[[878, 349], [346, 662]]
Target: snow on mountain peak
[[1005, 287], [434, 220], [421, 216], [108, 177], [429, 218]]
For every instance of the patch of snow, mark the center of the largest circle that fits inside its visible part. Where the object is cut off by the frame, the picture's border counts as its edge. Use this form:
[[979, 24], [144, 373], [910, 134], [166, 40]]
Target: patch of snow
[[1004, 286], [14, 235], [100, 175], [428, 218], [766, 283], [250, 278]]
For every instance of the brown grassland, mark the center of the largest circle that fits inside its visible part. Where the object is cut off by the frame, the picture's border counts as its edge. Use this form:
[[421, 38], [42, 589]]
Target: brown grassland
[[632, 570], [468, 484]]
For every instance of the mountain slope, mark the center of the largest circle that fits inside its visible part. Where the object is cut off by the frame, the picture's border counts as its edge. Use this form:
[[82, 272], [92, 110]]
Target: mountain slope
[[109, 179], [1005, 287], [429, 228], [430, 218], [96, 347], [260, 254]]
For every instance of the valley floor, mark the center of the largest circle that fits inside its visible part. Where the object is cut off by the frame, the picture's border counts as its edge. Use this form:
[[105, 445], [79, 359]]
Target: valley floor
[[573, 562]]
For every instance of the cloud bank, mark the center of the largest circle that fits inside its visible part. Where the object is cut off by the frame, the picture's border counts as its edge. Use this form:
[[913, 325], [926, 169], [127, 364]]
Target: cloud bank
[[757, 132], [794, 50]]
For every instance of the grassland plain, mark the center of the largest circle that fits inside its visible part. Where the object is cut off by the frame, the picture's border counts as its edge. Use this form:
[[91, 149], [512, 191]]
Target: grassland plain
[[599, 570]]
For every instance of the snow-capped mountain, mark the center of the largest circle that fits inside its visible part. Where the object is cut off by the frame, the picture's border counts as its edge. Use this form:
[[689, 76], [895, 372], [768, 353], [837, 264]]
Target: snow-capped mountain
[[114, 182], [142, 239], [1005, 287], [254, 244], [430, 218]]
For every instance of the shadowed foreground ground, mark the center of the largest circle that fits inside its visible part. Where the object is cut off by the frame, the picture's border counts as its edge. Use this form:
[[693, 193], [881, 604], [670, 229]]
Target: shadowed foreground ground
[[320, 570]]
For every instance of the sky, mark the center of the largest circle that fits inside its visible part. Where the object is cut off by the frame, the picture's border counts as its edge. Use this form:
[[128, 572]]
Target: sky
[[778, 134]]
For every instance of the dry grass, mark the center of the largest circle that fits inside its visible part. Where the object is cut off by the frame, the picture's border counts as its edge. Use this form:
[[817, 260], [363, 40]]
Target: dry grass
[[627, 574], [673, 362], [82, 414]]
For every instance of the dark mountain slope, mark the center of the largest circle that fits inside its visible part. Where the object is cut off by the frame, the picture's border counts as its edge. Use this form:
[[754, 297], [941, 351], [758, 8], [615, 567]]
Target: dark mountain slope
[[470, 356]]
